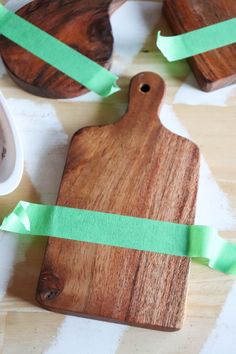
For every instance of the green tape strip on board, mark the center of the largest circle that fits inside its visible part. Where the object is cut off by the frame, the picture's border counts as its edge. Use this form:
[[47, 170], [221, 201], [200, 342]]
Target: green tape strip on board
[[199, 41], [200, 243], [64, 58]]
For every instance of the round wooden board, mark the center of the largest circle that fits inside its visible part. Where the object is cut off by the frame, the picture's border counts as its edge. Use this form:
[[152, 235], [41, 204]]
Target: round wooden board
[[83, 25]]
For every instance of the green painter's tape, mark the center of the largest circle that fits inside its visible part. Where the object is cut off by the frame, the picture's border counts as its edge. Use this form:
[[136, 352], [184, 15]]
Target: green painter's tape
[[56, 53], [201, 243], [199, 41]]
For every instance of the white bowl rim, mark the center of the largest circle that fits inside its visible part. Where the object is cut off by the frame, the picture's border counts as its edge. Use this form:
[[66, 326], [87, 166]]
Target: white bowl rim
[[12, 182]]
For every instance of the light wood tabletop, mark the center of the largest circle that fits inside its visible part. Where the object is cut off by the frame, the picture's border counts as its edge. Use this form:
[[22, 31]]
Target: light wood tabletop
[[45, 127]]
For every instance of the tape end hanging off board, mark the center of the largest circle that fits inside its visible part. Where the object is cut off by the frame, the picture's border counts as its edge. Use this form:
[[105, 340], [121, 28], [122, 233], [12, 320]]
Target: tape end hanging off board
[[216, 68]]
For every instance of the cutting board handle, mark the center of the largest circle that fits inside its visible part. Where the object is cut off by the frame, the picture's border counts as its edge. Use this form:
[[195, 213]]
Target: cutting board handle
[[115, 5], [111, 5], [145, 96]]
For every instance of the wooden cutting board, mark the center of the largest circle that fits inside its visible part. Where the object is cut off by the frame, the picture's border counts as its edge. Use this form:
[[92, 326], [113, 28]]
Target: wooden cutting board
[[216, 68], [133, 167], [82, 24]]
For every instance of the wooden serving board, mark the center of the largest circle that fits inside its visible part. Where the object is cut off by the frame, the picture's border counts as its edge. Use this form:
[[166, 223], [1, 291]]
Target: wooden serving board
[[216, 68], [82, 24], [133, 167]]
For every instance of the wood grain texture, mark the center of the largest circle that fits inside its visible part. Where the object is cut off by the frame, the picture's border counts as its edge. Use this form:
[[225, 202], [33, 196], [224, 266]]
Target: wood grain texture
[[133, 167], [84, 25], [216, 68], [207, 290]]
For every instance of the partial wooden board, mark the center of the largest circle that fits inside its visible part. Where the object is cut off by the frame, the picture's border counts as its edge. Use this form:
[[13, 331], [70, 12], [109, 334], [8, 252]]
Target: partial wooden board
[[84, 25], [216, 68], [133, 167]]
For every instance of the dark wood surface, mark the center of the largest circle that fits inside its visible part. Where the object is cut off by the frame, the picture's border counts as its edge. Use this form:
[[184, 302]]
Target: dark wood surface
[[133, 167], [216, 68], [82, 24]]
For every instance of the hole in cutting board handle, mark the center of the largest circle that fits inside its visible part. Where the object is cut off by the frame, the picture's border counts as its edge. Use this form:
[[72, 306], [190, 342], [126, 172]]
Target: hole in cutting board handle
[[145, 95], [144, 88]]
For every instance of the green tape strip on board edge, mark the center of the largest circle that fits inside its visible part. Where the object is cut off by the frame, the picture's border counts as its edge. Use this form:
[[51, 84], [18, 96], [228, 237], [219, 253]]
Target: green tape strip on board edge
[[199, 41], [64, 58], [200, 243]]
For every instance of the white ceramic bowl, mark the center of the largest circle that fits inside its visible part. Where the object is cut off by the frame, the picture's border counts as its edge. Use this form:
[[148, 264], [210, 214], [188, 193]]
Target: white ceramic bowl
[[11, 152]]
